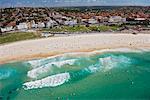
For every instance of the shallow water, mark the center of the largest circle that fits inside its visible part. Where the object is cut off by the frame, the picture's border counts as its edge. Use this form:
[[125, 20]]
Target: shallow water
[[107, 75]]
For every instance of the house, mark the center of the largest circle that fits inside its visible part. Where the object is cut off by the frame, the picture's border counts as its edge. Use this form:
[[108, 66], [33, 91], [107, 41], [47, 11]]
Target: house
[[140, 19], [70, 22], [83, 21], [22, 26], [116, 19], [41, 25], [34, 25], [51, 23], [92, 21], [7, 29], [137, 21], [103, 19]]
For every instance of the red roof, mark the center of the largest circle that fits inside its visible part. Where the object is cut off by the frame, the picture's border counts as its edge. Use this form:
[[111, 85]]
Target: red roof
[[11, 24]]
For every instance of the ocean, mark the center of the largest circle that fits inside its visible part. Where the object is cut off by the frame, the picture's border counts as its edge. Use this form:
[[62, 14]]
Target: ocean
[[110, 74]]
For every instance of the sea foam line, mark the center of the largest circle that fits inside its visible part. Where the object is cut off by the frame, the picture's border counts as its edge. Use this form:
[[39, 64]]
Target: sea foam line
[[37, 63], [126, 50]]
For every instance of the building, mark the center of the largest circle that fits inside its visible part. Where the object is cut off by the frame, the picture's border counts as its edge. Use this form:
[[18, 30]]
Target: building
[[7, 29], [116, 19], [51, 23], [138, 21], [92, 21], [34, 25], [70, 22], [41, 25], [22, 26]]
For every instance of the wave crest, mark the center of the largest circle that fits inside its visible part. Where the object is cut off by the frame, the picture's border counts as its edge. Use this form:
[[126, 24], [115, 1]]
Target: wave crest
[[35, 73], [110, 62], [50, 81]]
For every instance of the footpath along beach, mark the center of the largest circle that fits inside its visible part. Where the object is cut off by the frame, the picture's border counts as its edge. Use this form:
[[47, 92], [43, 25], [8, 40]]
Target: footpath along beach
[[31, 49]]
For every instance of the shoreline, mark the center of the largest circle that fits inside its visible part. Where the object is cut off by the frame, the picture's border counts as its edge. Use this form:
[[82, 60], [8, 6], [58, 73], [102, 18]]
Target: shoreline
[[40, 48]]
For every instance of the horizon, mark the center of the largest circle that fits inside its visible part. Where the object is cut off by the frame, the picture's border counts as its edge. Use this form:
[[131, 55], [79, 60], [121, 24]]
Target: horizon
[[71, 3], [75, 6]]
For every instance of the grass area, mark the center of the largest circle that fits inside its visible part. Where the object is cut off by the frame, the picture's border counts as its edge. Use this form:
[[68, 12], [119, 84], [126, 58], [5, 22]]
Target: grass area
[[12, 37], [103, 28], [82, 28], [54, 29]]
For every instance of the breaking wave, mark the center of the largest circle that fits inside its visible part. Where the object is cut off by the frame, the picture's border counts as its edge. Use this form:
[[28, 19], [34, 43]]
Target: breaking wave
[[110, 62], [88, 63], [50, 81], [39, 62], [35, 73]]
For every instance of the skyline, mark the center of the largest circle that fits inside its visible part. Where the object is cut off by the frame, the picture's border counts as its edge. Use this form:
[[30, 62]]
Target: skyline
[[61, 3]]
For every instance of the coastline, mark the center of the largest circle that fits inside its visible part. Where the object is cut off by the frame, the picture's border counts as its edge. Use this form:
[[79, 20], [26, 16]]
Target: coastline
[[33, 49]]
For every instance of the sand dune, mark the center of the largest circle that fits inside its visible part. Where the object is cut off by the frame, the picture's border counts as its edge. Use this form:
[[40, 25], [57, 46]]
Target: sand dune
[[25, 50]]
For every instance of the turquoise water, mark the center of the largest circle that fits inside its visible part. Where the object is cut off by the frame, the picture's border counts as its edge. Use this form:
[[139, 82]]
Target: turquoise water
[[108, 75]]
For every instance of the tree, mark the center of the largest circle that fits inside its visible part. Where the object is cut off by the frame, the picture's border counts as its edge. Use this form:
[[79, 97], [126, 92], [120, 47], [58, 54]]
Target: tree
[[0, 32]]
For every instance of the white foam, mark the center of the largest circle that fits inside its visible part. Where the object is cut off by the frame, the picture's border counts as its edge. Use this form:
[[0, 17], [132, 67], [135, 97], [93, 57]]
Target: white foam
[[34, 73], [93, 68], [40, 62], [125, 50], [112, 61], [61, 63], [107, 63], [36, 63], [51, 81], [5, 75]]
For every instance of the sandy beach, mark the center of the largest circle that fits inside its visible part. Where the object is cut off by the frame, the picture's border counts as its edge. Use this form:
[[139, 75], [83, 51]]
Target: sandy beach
[[32, 49]]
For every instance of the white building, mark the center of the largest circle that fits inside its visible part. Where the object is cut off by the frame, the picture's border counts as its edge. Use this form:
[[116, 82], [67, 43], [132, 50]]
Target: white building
[[41, 25], [70, 23], [34, 25], [92, 21], [22, 26], [7, 29], [50, 23], [116, 19], [140, 19]]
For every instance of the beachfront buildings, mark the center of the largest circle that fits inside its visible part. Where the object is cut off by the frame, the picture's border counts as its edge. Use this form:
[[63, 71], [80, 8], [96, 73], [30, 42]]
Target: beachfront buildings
[[37, 18]]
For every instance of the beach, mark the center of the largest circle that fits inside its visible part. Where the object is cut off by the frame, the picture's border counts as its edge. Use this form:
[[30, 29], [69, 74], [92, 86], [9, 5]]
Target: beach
[[76, 66], [39, 48]]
